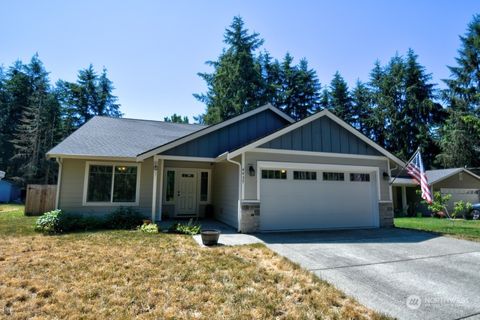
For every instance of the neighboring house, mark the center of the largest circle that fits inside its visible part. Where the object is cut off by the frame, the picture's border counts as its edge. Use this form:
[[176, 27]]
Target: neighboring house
[[9, 192], [461, 183], [259, 171]]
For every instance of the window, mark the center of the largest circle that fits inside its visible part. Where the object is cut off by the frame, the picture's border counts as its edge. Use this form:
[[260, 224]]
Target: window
[[274, 174], [304, 175], [333, 176], [363, 177], [100, 184], [204, 186], [112, 183], [170, 188]]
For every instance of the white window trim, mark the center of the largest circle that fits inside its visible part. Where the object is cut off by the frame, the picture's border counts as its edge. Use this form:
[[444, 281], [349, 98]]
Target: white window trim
[[198, 173], [111, 203]]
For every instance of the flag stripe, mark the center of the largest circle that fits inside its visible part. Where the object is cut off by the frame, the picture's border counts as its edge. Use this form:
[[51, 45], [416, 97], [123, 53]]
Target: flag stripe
[[416, 171]]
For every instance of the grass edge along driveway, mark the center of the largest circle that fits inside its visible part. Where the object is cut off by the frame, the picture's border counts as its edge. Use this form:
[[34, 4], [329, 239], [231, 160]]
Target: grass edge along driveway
[[126, 274], [458, 228]]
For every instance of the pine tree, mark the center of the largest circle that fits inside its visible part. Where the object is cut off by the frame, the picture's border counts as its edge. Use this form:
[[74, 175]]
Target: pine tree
[[90, 96], [463, 93], [340, 101], [235, 85], [459, 141], [175, 118], [362, 108]]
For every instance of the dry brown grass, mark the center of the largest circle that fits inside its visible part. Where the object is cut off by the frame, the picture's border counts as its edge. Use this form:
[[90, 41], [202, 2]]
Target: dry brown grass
[[126, 274]]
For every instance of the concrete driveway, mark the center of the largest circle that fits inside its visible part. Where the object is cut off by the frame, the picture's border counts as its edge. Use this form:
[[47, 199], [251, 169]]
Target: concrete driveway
[[405, 274]]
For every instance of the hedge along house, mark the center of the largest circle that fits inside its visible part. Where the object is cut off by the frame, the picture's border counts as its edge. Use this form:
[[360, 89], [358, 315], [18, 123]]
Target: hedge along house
[[259, 171]]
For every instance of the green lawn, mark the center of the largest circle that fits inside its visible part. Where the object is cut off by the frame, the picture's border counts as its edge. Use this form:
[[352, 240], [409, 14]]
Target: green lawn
[[465, 229]]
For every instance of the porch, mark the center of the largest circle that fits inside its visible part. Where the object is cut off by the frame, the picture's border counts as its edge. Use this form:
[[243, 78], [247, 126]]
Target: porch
[[193, 188]]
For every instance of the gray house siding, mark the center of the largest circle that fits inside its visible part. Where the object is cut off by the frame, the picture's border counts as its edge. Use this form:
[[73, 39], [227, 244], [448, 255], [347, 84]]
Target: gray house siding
[[231, 137], [322, 135], [225, 193]]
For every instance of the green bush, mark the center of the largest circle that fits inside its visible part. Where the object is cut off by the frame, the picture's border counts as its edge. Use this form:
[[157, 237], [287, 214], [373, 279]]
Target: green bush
[[190, 228], [49, 222], [57, 221], [124, 218], [149, 228], [461, 208]]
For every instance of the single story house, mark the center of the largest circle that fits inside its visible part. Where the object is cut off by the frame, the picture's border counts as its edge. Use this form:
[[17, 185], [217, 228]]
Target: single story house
[[9, 191], [461, 183], [259, 171]]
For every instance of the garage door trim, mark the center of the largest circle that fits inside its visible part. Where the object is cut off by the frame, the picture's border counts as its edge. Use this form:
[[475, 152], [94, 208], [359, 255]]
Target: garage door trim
[[315, 166]]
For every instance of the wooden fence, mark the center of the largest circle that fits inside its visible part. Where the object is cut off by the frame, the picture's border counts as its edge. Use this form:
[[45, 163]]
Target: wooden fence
[[40, 198]]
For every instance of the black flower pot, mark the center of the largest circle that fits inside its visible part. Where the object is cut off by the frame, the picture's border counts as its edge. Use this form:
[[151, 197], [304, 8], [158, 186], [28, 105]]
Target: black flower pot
[[210, 237]]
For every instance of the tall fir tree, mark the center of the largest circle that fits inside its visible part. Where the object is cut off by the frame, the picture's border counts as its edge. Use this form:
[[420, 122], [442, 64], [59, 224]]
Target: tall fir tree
[[339, 99], [362, 108], [236, 83], [459, 142], [92, 95]]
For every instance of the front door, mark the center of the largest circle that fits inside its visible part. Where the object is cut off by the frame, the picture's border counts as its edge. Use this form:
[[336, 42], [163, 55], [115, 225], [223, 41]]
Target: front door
[[186, 202]]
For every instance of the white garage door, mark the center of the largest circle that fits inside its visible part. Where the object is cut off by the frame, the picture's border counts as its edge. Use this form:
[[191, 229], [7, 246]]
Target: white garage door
[[302, 199]]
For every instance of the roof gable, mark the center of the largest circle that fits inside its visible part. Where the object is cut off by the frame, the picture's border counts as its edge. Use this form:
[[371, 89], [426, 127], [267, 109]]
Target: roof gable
[[231, 136], [226, 138], [341, 124], [322, 135]]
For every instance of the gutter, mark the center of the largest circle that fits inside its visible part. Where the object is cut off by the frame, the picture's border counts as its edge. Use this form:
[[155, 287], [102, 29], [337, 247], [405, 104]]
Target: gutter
[[227, 157]]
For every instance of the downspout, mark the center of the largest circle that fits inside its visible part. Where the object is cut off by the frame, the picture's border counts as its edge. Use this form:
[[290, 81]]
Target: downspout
[[59, 181], [239, 188]]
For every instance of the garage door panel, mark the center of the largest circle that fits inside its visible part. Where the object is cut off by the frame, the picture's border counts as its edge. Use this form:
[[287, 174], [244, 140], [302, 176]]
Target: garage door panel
[[301, 204]]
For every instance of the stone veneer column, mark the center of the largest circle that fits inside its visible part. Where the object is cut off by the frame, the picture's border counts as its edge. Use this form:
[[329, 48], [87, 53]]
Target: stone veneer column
[[385, 210], [250, 217]]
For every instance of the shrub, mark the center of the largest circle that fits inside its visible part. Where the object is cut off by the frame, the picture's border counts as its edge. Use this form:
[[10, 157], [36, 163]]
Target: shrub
[[149, 228], [124, 218], [190, 228], [461, 208], [49, 222]]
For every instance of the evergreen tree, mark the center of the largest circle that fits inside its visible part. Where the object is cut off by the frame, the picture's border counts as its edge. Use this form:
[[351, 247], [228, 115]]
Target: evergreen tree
[[362, 108], [38, 128], [463, 93], [235, 85], [175, 118], [90, 96], [340, 101], [459, 141]]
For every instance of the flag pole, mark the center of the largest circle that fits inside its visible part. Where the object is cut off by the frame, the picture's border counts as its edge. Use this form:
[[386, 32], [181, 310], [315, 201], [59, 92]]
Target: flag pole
[[411, 158]]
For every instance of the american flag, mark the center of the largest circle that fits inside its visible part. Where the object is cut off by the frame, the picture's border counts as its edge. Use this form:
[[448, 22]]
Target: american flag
[[416, 170]]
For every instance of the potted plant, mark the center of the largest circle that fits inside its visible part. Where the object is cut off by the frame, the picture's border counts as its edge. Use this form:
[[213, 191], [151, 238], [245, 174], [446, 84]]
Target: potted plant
[[210, 237]]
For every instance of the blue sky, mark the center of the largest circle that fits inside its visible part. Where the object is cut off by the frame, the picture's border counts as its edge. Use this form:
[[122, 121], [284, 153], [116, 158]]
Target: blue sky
[[154, 49]]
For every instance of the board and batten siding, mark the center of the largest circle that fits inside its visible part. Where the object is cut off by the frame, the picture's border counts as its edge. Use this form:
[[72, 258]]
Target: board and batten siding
[[231, 137], [72, 185], [322, 135], [251, 158], [225, 193]]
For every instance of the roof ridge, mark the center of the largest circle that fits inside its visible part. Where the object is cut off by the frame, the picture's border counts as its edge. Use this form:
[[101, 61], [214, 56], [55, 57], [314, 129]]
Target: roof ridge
[[148, 120]]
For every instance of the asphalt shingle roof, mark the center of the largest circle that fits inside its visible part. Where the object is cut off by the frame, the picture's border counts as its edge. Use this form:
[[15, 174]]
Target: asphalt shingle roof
[[120, 137], [433, 176]]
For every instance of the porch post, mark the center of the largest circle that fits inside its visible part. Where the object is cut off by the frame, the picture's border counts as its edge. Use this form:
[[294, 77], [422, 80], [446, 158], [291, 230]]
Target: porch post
[[160, 190], [154, 188], [404, 198]]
